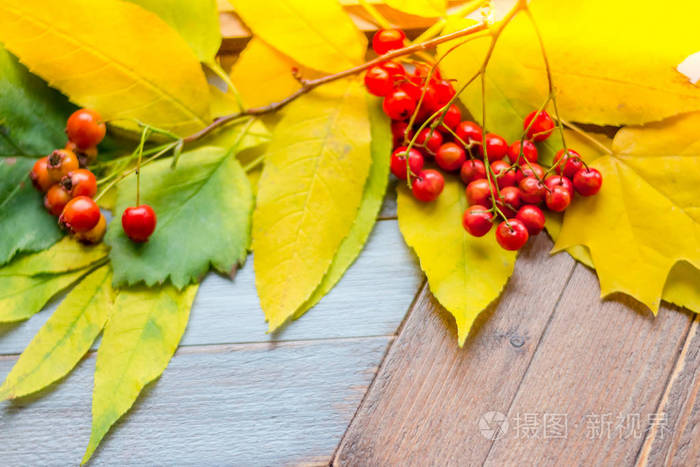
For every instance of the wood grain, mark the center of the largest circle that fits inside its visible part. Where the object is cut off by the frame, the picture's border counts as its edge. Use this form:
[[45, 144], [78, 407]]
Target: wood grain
[[370, 300], [259, 404], [424, 406]]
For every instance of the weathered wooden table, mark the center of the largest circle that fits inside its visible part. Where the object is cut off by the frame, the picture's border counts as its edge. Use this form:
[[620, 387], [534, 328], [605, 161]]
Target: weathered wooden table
[[373, 376]]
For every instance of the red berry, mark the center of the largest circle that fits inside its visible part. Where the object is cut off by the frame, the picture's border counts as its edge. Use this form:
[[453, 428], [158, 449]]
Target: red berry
[[558, 198], [139, 223], [60, 163], [41, 179], [398, 130], [80, 214], [477, 220], [531, 190], [95, 234], [532, 169], [452, 117], [569, 164], [80, 182], [496, 147], [450, 157], [421, 72], [479, 192], [508, 200], [428, 185], [399, 105], [395, 69], [411, 89], [398, 162], [558, 180], [588, 181], [532, 217], [542, 126], [378, 81], [529, 152], [85, 128], [430, 138], [469, 132], [56, 199], [505, 174], [444, 91], [386, 40], [511, 234], [472, 170]]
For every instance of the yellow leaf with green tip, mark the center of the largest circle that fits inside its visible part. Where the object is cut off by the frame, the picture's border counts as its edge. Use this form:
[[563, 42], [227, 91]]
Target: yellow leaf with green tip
[[65, 337], [309, 194], [112, 56], [66, 255], [464, 273], [139, 340]]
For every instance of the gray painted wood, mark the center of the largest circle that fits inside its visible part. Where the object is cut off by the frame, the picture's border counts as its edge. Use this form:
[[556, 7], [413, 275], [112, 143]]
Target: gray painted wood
[[252, 404], [371, 299]]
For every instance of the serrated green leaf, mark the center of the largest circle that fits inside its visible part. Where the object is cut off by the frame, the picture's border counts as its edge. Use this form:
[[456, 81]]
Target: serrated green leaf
[[65, 337], [139, 340], [197, 21], [24, 223], [23, 296], [464, 273], [372, 199], [32, 115], [315, 169], [66, 255], [203, 208]]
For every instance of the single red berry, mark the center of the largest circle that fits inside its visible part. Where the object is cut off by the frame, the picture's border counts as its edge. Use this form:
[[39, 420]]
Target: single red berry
[[450, 157], [41, 179], [60, 163], [85, 128], [378, 81], [80, 214], [479, 192], [444, 90], [532, 169], [532, 217], [541, 127], [511, 234], [94, 235], [469, 132], [386, 40], [567, 164], [452, 117], [505, 174], [472, 170], [398, 105], [529, 152], [588, 181], [531, 190], [56, 199], [395, 69], [559, 180], [398, 162], [428, 185], [80, 182], [558, 198], [421, 72], [496, 147], [477, 220], [508, 200], [400, 133], [139, 223], [430, 138]]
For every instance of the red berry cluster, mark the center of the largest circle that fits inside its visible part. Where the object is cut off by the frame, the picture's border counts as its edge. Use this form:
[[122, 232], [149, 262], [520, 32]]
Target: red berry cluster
[[68, 185]]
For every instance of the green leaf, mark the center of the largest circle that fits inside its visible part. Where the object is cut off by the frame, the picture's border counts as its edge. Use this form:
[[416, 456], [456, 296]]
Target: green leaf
[[140, 338], [197, 21], [23, 296], [203, 208], [372, 199], [32, 115], [66, 255], [24, 223], [64, 339]]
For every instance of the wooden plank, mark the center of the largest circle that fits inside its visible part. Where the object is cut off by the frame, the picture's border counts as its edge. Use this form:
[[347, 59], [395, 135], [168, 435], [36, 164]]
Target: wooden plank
[[370, 300], [677, 442], [603, 365], [261, 404], [424, 406]]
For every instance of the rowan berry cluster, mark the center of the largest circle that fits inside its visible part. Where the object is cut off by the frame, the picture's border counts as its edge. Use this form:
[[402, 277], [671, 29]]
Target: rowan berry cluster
[[504, 183]]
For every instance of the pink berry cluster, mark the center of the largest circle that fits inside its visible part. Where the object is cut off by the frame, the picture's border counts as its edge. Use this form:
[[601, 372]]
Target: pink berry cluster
[[505, 184]]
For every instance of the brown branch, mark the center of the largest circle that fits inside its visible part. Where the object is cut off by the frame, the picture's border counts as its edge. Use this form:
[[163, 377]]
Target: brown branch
[[308, 85]]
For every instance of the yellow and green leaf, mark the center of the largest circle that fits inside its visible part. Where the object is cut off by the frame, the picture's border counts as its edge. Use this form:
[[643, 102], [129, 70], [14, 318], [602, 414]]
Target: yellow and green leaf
[[66, 255]]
